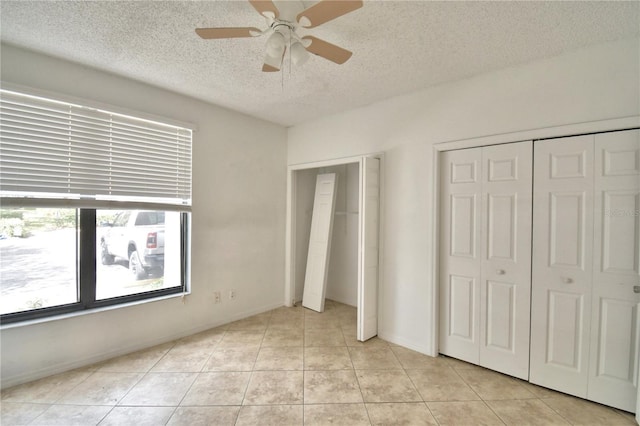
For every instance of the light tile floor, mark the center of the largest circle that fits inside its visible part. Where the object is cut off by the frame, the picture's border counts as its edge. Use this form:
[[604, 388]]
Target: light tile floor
[[291, 366]]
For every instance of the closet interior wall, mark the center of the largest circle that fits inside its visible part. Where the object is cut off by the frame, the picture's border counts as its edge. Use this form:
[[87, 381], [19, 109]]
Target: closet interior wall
[[342, 283]]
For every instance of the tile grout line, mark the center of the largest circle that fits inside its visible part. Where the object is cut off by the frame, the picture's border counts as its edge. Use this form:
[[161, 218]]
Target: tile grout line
[[246, 389], [198, 374], [420, 393], [175, 408], [144, 374], [202, 370], [493, 411], [103, 417], [364, 403], [74, 387], [556, 411]]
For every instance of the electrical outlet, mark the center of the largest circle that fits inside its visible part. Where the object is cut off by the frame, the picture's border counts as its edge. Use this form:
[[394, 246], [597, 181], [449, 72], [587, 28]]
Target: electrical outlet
[[232, 294], [217, 298]]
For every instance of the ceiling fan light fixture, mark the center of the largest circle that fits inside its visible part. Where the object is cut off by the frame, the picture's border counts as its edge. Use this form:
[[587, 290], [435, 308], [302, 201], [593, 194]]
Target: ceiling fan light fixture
[[276, 45], [304, 22], [299, 54]]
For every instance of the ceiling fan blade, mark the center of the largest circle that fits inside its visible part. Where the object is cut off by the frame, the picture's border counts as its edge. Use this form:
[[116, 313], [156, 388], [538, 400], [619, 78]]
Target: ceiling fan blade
[[272, 63], [327, 50], [208, 33], [263, 6], [326, 10]]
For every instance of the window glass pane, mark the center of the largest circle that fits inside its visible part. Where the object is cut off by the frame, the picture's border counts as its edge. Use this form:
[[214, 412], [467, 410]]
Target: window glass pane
[[138, 251], [38, 261]]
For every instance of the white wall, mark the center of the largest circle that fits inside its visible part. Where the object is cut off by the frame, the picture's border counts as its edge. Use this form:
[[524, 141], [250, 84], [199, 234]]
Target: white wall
[[595, 83], [239, 184]]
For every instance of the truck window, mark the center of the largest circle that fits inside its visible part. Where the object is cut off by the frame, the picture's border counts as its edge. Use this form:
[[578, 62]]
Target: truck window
[[143, 219], [150, 218], [122, 219]]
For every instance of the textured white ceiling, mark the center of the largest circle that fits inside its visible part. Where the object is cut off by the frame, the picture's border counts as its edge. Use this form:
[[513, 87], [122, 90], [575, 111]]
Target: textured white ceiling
[[399, 46]]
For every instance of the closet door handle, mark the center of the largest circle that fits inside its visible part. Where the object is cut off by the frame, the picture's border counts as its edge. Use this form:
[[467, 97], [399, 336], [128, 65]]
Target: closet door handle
[[567, 280], [501, 272], [636, 288]]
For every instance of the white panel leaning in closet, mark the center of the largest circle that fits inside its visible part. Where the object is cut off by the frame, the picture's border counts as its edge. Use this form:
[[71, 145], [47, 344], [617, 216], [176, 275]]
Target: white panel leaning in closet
[[315, 279], [485, 261], [586, 282]]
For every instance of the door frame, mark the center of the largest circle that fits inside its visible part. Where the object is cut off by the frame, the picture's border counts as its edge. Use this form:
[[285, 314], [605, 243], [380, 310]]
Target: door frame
[[290, 227], [498, 139]]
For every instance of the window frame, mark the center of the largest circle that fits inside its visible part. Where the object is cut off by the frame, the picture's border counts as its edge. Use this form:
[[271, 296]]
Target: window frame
[[86, 268]]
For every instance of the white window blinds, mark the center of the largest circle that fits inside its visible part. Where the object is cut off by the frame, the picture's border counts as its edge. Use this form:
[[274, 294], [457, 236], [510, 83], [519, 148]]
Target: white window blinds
[[51, 149]]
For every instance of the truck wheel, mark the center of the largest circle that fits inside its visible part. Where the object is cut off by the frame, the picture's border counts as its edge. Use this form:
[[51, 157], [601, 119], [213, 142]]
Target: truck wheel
[[135, 267], [106, 258]]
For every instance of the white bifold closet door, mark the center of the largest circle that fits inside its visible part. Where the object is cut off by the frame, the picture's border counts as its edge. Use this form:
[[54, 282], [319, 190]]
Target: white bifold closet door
[[562, 261], [485, 258], [586, 282], [616, 274], [369, 251], [460, 193]]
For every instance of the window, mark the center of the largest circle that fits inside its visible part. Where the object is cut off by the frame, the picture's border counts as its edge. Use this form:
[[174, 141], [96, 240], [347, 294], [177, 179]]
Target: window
[[137, 252], [95, 207], [38, 265]]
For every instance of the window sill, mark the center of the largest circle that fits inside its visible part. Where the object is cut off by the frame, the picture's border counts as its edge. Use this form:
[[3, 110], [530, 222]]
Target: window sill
[[81, 313]]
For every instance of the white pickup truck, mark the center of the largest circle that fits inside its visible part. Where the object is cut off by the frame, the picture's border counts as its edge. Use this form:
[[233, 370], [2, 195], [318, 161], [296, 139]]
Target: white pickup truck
[[136, 236]]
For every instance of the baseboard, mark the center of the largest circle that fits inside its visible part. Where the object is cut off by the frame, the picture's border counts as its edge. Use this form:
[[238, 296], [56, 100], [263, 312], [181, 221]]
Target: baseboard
[[404, 342], [252, 312], [50, 370], [343, 300]]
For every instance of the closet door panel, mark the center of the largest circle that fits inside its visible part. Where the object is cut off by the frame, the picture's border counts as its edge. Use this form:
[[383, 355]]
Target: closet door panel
[[368, 258], [561, 263], [564, 336], [506, 258], [614, 337], [501, 227], [501, 316], [460, 182], [566, 229], [461, 307], [463, 214], [619, 234]]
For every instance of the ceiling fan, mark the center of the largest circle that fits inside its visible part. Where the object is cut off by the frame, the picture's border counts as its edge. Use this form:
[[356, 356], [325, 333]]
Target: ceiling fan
[[283, 22]]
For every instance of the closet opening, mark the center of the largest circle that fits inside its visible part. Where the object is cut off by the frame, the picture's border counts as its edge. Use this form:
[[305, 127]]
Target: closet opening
[[352, 272]]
